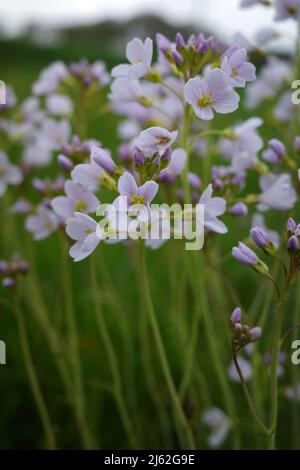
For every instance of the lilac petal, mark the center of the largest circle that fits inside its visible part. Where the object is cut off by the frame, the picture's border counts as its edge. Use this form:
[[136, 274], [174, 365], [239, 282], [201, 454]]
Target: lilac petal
[[192, 90], [227, 103], [87, 175], [120, 70], [62, 206], [204, 113], [206, 195], [214, 224], [216, 206], [178, 161], [127, 185], [216, 82], [134, 50], [148, 191], [238, 58], [79, 226]]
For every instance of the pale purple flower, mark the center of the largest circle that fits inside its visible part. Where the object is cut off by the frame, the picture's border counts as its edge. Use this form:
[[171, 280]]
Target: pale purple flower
[[139, 54], [135, 194], [128, 129], [130, 98], [272, 77], [293, 393], [213, 208], [175, 167], [211, 94], [244, 145], [82, 229], [236, 67], [284, 108], [54, 134], [43, 223], [31, 111], [21, 206], [265, 35], [37, 155], [9, 174], [275, 153], [278, 192], [219, 425], [155, 140], [99, 72], [287, 9], [245, 255], [50, 78], [88, 175], [77, 199], [8, 282], [59, 105]]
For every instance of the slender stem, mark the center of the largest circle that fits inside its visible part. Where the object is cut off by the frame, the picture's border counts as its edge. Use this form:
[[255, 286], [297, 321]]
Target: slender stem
[[213, 343], [113, 361], [178, 410], [35, 386], [276, 343], [274, 283], [248, 396], [79, 395]]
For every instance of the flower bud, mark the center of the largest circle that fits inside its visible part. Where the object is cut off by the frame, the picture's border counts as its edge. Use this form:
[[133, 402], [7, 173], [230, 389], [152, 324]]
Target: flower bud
[[293, 244], [255, 334], [179, 40], [239, 209], [138, 158], [65, 163], [236, 316], [297, 144], [8, 282], [290, 227]]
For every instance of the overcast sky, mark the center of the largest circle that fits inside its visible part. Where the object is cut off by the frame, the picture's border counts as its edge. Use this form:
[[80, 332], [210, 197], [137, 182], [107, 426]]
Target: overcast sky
[[223, 15]]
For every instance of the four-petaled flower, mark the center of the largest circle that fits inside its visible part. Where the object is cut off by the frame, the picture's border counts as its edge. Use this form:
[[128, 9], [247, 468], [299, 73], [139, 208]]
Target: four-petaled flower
[[139, 54], [212, 93]]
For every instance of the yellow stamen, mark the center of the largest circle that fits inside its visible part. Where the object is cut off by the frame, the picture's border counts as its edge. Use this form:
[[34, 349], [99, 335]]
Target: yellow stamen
[[81, 206], [205, 101]]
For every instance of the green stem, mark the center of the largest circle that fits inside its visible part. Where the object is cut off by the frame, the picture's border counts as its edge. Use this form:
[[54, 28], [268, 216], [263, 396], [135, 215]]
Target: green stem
[[248, 396], [36, 390], [178, 410], [75, 359], [113, 361], [200, 287], [276, 344]]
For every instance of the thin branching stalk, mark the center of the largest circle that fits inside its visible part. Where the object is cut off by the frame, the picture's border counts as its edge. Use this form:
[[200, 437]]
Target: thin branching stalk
[[179, 413], [112, 357], [32, 375]]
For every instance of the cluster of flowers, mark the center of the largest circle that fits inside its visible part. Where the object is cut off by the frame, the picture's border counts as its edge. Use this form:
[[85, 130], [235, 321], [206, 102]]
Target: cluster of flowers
[[11, 270], [167, 108]]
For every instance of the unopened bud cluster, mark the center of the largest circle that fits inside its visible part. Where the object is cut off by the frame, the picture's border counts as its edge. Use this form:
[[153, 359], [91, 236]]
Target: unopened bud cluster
[[11, 270], [242, 334]]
